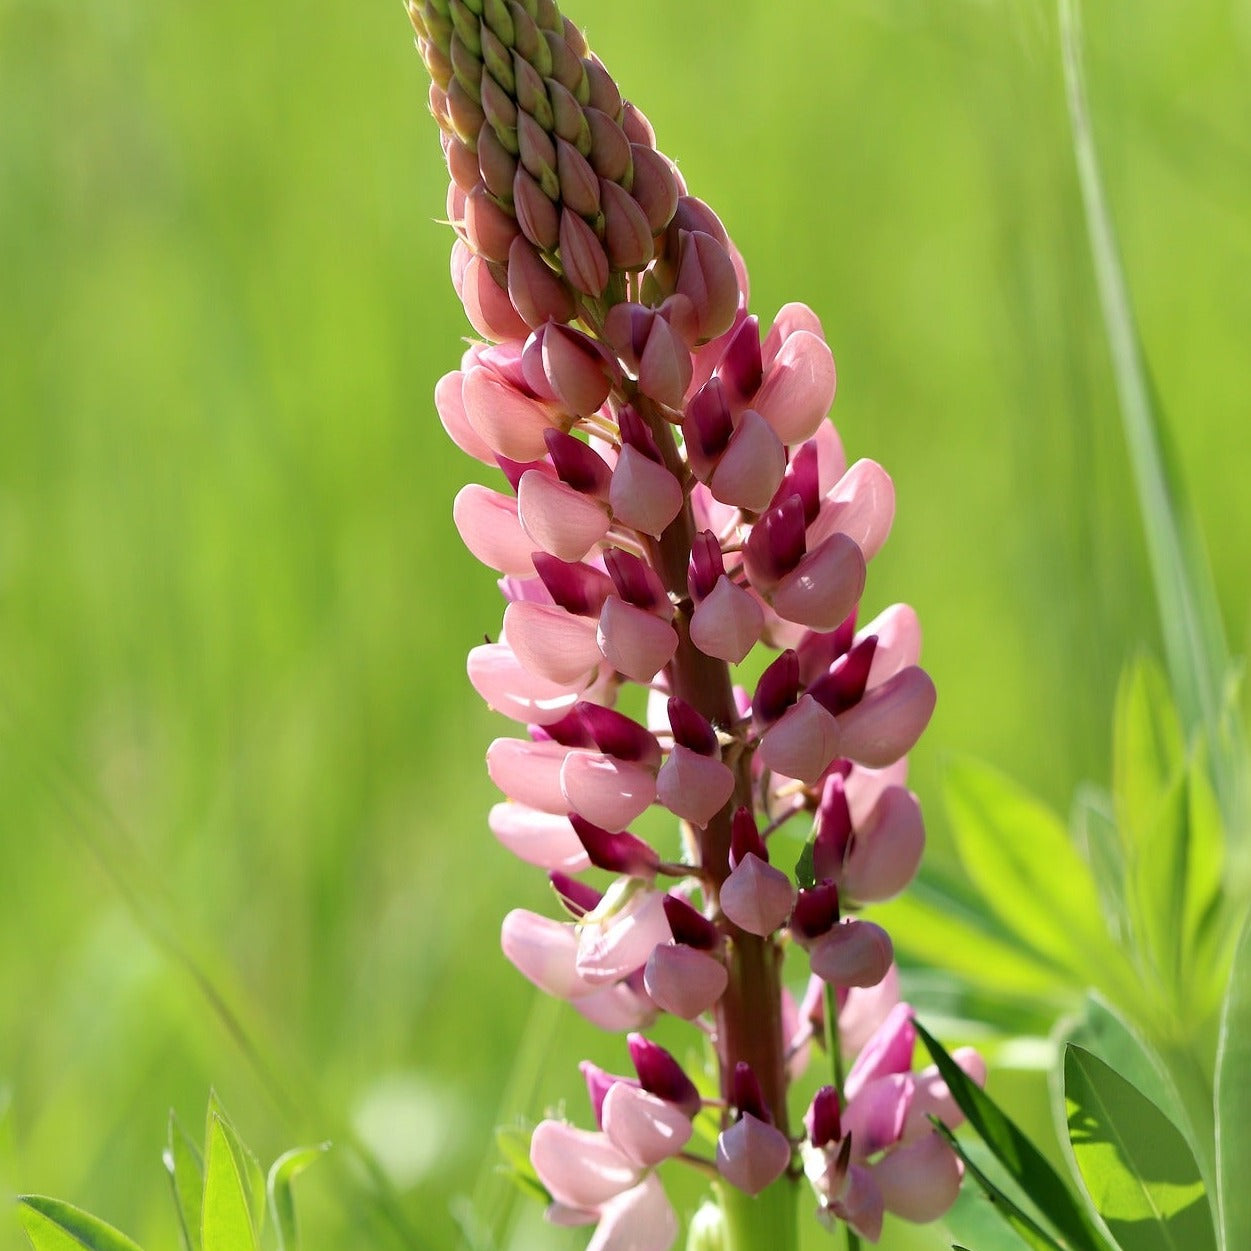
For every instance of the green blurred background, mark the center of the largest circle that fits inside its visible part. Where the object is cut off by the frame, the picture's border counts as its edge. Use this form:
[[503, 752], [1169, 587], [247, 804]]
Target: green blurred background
[[236, 741]]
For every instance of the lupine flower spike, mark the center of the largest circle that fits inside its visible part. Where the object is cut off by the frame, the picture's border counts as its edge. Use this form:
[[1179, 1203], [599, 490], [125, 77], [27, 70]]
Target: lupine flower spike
[[672, 499]]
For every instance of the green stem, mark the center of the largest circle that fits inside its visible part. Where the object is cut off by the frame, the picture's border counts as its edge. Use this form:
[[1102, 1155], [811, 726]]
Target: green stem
[[769, 1222]]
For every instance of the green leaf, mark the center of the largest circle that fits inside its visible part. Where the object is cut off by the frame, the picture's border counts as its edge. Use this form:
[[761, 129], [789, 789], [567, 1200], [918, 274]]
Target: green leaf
[[186, 1176], [1096, 836], [1138, 1169], [52, 1225], [282, 1172], [226, 1220], [1027, 1229], [513, 1142], [925, 926], [1019, 855], [1233, 1124], [1206, 928], [251, 1175], [1022, 1160]]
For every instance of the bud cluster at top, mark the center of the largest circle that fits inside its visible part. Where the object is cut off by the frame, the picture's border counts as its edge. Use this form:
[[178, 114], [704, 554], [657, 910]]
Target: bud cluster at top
[[673, 499]]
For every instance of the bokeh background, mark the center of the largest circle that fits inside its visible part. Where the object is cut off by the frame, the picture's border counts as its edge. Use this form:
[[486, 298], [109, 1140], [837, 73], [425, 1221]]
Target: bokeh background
[[242, 801]]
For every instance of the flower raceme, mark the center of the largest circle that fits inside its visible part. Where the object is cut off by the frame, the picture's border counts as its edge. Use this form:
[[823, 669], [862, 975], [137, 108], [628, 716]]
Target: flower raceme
[[673, 502]]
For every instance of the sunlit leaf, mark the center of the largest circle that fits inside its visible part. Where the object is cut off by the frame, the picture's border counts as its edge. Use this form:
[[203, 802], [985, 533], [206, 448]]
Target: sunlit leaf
[[1019, 855], [186, 1177], [1096, 836], [251, 1175], [226, 1221], [1026, 1229], [1137, 1167], [52, 1225], [282, 1172], [1233, 1123], [1018, 1155]]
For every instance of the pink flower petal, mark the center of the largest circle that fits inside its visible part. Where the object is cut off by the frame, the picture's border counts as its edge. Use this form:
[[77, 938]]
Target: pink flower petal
[[756, 896], [617, 1009], [692, 786], [580, 1168], [855, 953], [552, 643], [607, 792], [544, 952], [898, 633], [641, 1126], [752, 1155], [490, 528], [510, 688], [802, 742], [888, 1051], [886, 849], [864, 1009], [861, 1205], [798, 388], [538, 838], [919, 1181], [509, 422], [634, 641], [641, 1219], [790, 319], [751, 467], [824, 587], [644, 495], [887, 722], [933, 1098], [613, 946], [559, 519], [727, 622], [451, 410], [529, 773], [684, 980], [875, 1118], [861, 505]]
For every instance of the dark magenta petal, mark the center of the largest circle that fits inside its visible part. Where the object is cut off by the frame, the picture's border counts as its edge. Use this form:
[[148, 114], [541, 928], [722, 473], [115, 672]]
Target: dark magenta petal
[[661, 1075], [617, 735], [598, 1083], [691, 728], [577, 588], [513, 469], [776, 544], [746, 1095], [745, 838], [819, 649], [776, 691], [707, 426], [833, 826], [616, 853], [577, 897], [815, 911], [690, 927], [741, 369], [706, 566], [843, 686], [637, 582], [635, 434], [802, 478], [578, 465], [570, 731], [823, 1122]]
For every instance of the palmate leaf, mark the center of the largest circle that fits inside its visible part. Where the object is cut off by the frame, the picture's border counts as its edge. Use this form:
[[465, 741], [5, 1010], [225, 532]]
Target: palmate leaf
[[1136, 1165], [1018, 1155], [52, 1225], [1233, 1086], [1020, 856]]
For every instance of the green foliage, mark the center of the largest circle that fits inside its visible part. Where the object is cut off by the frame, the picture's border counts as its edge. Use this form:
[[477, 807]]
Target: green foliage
[[55, 1226], [1023, 1163], [1233, 1124], [220, 1195], [1138, 1170]]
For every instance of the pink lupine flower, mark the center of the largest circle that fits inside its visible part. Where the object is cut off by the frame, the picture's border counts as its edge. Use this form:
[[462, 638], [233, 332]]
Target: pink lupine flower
[[675, 500]]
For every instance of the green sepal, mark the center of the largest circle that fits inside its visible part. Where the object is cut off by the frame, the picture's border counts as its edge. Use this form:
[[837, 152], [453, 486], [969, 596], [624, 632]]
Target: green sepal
[[185, 1167], [282, 1172]]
